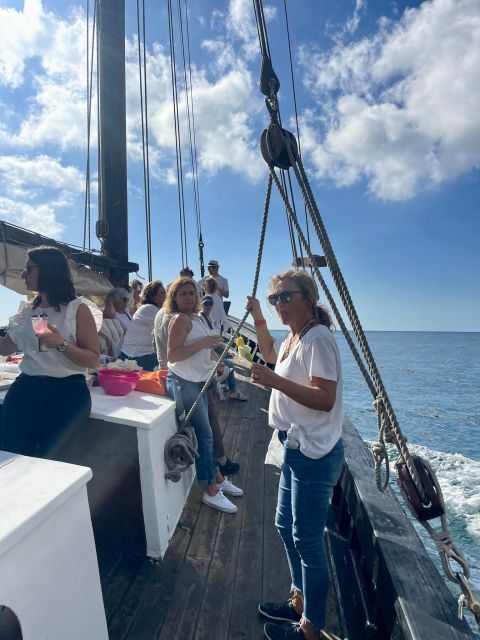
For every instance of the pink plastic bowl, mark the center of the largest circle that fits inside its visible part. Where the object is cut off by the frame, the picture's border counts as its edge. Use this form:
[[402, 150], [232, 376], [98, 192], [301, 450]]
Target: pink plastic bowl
[[118, 382]]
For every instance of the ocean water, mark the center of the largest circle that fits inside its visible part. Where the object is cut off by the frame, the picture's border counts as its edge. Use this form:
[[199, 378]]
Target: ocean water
[[433, 381]]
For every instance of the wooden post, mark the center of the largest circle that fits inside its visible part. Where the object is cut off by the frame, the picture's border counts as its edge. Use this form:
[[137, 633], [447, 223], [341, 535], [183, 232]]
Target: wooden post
[[112, 227]]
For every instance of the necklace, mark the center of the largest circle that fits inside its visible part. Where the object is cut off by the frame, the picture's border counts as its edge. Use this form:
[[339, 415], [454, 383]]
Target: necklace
[[292, 341]]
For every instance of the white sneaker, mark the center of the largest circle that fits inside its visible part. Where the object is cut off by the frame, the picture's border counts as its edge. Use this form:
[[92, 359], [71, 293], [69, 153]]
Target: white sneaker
[[220, 502], [229, 488]]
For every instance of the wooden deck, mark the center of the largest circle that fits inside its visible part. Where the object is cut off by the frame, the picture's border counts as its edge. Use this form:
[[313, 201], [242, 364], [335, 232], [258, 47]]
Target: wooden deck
[[218, 567]]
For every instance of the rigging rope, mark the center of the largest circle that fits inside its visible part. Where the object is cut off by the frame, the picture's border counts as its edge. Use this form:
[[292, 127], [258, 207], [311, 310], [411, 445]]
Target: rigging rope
[[142, 68], [186, 60], [87, 208], [178, 146], [292, 76], [427, 503]]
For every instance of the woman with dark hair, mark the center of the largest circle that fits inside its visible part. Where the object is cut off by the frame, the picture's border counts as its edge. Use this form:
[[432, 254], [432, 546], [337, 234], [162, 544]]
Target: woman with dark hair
[[307, 409], [57, 333], [136, 287], [189, 366], [138, 341]]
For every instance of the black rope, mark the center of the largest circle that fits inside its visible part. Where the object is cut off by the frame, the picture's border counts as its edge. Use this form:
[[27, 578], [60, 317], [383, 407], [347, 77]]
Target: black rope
[[261, 28], [181, 197], [87, 212], [142, 76], [307, 226], [147, 195], [191, 126], [199, 222], [99, 137]]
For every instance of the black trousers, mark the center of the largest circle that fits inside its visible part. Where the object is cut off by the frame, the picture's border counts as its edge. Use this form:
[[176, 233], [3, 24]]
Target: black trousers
[[40, 414]]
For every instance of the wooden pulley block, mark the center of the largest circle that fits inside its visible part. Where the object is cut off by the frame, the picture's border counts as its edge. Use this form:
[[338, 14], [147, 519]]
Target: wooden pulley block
[[273, 145], [422, 512]]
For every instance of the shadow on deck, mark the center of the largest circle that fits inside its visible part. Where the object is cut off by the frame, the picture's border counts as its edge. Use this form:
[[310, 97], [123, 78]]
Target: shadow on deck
[[218, 567]]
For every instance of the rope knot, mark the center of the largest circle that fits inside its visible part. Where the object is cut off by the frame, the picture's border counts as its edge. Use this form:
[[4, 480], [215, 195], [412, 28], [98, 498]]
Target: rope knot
[[443, 541]]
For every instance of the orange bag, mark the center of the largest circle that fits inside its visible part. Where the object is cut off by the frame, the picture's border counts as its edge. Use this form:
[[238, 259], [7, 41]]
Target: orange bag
[[153, 382]]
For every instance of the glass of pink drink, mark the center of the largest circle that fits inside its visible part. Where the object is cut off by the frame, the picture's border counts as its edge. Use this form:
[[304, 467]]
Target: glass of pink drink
[[40, 326]]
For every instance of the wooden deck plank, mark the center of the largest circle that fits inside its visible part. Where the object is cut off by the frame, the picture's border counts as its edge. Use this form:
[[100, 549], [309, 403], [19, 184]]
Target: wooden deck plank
[[118, 582], [152, 611], [221, 578], [244, 620], [187, 599]]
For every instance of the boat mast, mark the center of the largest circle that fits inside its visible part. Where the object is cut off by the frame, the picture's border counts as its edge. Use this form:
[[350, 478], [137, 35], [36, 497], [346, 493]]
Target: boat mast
[[112, 225]]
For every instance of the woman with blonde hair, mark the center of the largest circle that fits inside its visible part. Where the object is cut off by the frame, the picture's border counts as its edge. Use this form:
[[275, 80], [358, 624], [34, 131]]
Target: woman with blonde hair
[[189, 366], [307, 409]]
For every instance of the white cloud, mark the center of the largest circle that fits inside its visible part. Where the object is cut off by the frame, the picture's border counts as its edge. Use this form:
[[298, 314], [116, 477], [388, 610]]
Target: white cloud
[[20, 35], [352, 24], [223, 108], [28, 176], [35, 189], [39, 218], [56, 108], [399, 109]]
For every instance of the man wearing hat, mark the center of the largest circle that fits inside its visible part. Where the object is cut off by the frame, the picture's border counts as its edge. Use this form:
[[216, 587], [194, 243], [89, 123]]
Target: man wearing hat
[[222, 282]]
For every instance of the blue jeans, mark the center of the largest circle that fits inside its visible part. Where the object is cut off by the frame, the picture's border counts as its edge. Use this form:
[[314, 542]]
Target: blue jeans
[[231, 382], [185, 392], [304, 494]]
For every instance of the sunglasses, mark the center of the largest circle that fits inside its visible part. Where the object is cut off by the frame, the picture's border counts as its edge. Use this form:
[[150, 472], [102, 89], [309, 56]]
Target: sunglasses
[[29, 267], [284, 296], [207, 304]]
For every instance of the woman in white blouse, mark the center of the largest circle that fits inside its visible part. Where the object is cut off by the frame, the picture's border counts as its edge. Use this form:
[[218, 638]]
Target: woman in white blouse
[[138, 341], [57, 333]]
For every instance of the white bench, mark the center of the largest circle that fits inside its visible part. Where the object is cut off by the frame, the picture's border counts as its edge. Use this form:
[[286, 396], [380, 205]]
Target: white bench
[[133, 507], [48, 564]]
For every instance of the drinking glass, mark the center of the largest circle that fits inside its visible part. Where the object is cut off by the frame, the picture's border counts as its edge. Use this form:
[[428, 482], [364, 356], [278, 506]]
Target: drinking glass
[[40, 325]]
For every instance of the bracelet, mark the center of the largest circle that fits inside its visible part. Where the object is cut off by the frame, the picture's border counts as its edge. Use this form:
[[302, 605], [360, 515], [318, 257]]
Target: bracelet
[[258, 323]]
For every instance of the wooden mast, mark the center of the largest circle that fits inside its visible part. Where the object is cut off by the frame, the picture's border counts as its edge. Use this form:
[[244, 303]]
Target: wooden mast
[[112, 225]]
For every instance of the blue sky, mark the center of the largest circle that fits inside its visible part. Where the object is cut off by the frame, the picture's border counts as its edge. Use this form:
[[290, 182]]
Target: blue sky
[[388, 97]]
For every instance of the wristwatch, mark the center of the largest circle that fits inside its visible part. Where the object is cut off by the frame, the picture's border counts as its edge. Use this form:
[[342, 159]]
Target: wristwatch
[[63, 347]]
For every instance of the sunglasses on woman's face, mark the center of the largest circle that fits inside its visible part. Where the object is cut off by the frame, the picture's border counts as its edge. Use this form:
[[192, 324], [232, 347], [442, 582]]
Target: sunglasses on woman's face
[[29, 267], [284, 296]]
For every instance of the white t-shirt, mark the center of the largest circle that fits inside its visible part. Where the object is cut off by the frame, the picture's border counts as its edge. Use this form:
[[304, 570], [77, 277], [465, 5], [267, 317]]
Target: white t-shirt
[[138, 340], [220, 280], [217, 314], [315, 355]]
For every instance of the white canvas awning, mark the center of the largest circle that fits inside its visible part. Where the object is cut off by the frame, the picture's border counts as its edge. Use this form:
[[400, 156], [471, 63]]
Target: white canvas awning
[[12, 262]]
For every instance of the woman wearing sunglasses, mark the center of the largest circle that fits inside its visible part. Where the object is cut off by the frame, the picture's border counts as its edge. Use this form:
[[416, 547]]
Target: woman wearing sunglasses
[[50, 397], [307, 409]]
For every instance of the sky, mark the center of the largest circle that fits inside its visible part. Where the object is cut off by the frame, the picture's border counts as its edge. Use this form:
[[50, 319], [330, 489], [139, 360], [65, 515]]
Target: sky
[[387, 94]]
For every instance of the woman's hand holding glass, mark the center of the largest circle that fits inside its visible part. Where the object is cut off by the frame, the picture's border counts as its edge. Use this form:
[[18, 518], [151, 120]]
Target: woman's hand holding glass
[[50, 337], [263, 375]]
